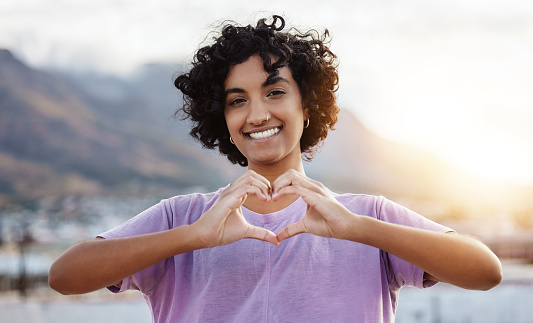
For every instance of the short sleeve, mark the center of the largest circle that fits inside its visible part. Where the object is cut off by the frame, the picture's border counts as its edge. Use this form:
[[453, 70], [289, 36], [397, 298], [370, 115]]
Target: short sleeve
[[167, 214], [399, 271], [155, 219]]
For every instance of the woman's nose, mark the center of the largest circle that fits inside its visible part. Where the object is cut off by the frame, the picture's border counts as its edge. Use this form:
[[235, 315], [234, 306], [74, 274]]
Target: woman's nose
[[257, 113]]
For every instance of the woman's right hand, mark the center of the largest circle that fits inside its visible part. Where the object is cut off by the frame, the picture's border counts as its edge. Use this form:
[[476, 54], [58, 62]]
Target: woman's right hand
[[224, 222]]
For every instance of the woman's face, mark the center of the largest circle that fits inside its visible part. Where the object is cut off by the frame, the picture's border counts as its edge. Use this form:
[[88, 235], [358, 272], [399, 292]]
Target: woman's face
[[264, 119]]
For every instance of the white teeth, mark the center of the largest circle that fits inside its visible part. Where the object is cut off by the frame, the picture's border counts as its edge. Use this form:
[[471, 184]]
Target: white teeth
[[264, 134]]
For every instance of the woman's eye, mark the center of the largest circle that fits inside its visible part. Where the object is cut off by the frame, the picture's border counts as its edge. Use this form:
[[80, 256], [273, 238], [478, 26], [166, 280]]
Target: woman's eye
[[276, 93], [236, 101]]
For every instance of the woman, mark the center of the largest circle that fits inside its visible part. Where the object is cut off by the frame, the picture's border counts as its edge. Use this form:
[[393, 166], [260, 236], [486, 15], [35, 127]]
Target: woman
[[264, 97]]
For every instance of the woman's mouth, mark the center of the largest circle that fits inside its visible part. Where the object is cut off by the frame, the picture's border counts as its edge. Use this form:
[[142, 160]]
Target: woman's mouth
[[264, 134]]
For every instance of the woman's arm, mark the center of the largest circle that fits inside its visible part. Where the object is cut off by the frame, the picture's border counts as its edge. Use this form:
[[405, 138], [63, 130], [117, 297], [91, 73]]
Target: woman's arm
[[99, 263], [448, 257]]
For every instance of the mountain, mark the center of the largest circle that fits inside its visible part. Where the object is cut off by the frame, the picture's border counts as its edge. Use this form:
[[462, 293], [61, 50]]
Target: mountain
[[78, 134], [57, 138]]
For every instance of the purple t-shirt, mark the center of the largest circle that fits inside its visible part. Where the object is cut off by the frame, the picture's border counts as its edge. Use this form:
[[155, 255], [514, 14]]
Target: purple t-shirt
[[305, 279]]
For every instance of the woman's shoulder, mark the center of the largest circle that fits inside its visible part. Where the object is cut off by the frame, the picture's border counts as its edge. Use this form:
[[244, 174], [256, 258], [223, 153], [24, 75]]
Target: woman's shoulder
[[196, 194], [356, 197], [191, 198], [363, 204]]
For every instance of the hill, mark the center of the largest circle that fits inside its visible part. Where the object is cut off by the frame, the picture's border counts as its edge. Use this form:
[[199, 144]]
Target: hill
[[57, 138], [71, 134]]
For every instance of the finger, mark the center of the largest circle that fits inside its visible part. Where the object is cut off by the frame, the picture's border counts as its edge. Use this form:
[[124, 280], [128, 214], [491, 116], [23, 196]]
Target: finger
[[294, 178], [309, 196], [286, 179], [261, 234], [233, 199], [291, 230], [250, 185], [254, 179], [242, 192], [256, 176]]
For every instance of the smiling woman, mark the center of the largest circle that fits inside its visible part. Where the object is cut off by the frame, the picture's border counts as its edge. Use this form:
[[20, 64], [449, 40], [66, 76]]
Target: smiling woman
[[313, 69], [265, 97], [264, 118]]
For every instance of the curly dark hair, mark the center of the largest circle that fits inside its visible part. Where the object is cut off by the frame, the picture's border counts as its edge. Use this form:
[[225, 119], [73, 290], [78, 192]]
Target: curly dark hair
[[312, 64]]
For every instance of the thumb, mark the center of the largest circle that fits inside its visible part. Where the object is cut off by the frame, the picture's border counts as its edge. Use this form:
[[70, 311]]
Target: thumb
[[291, 230], [261, 234]]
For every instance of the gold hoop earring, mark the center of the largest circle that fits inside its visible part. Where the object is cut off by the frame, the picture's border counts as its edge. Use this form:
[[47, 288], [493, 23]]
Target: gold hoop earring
[[231, 140], [306, 123]]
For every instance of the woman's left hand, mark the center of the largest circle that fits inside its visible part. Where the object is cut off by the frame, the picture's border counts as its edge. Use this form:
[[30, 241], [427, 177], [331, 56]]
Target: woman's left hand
[[325, 216]]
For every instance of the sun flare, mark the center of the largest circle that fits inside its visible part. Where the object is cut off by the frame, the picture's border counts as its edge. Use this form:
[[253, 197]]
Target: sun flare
[[500, 160]]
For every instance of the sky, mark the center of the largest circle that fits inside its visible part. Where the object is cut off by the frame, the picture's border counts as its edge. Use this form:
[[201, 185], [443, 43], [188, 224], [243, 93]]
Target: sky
[[452, 77]]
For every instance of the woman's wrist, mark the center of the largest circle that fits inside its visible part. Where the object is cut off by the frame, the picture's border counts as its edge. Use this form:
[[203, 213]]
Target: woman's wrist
[[188, 238], [359, 228]]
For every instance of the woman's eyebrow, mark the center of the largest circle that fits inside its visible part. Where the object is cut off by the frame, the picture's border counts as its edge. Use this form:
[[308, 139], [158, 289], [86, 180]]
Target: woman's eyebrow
[[267, 82], [274, 80], [233, 90]]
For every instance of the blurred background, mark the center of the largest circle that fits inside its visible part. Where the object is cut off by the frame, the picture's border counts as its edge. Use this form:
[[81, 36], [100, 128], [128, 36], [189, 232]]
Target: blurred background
[[436, 111]]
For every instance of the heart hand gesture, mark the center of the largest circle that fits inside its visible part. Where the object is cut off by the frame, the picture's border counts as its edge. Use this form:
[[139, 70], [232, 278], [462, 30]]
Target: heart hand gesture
[[224, 222], [325, 216]]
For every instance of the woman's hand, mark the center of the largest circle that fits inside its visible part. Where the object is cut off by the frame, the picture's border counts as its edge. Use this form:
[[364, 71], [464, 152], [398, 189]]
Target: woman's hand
[[325, 216], [224, 222]]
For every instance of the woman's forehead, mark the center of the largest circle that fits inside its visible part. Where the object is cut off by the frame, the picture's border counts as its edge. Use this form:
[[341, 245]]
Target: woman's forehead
[[252, 72]]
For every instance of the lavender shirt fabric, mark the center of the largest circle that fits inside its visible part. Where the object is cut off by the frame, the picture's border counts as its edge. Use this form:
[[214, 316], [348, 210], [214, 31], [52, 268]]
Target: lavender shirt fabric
[[305, 279]]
